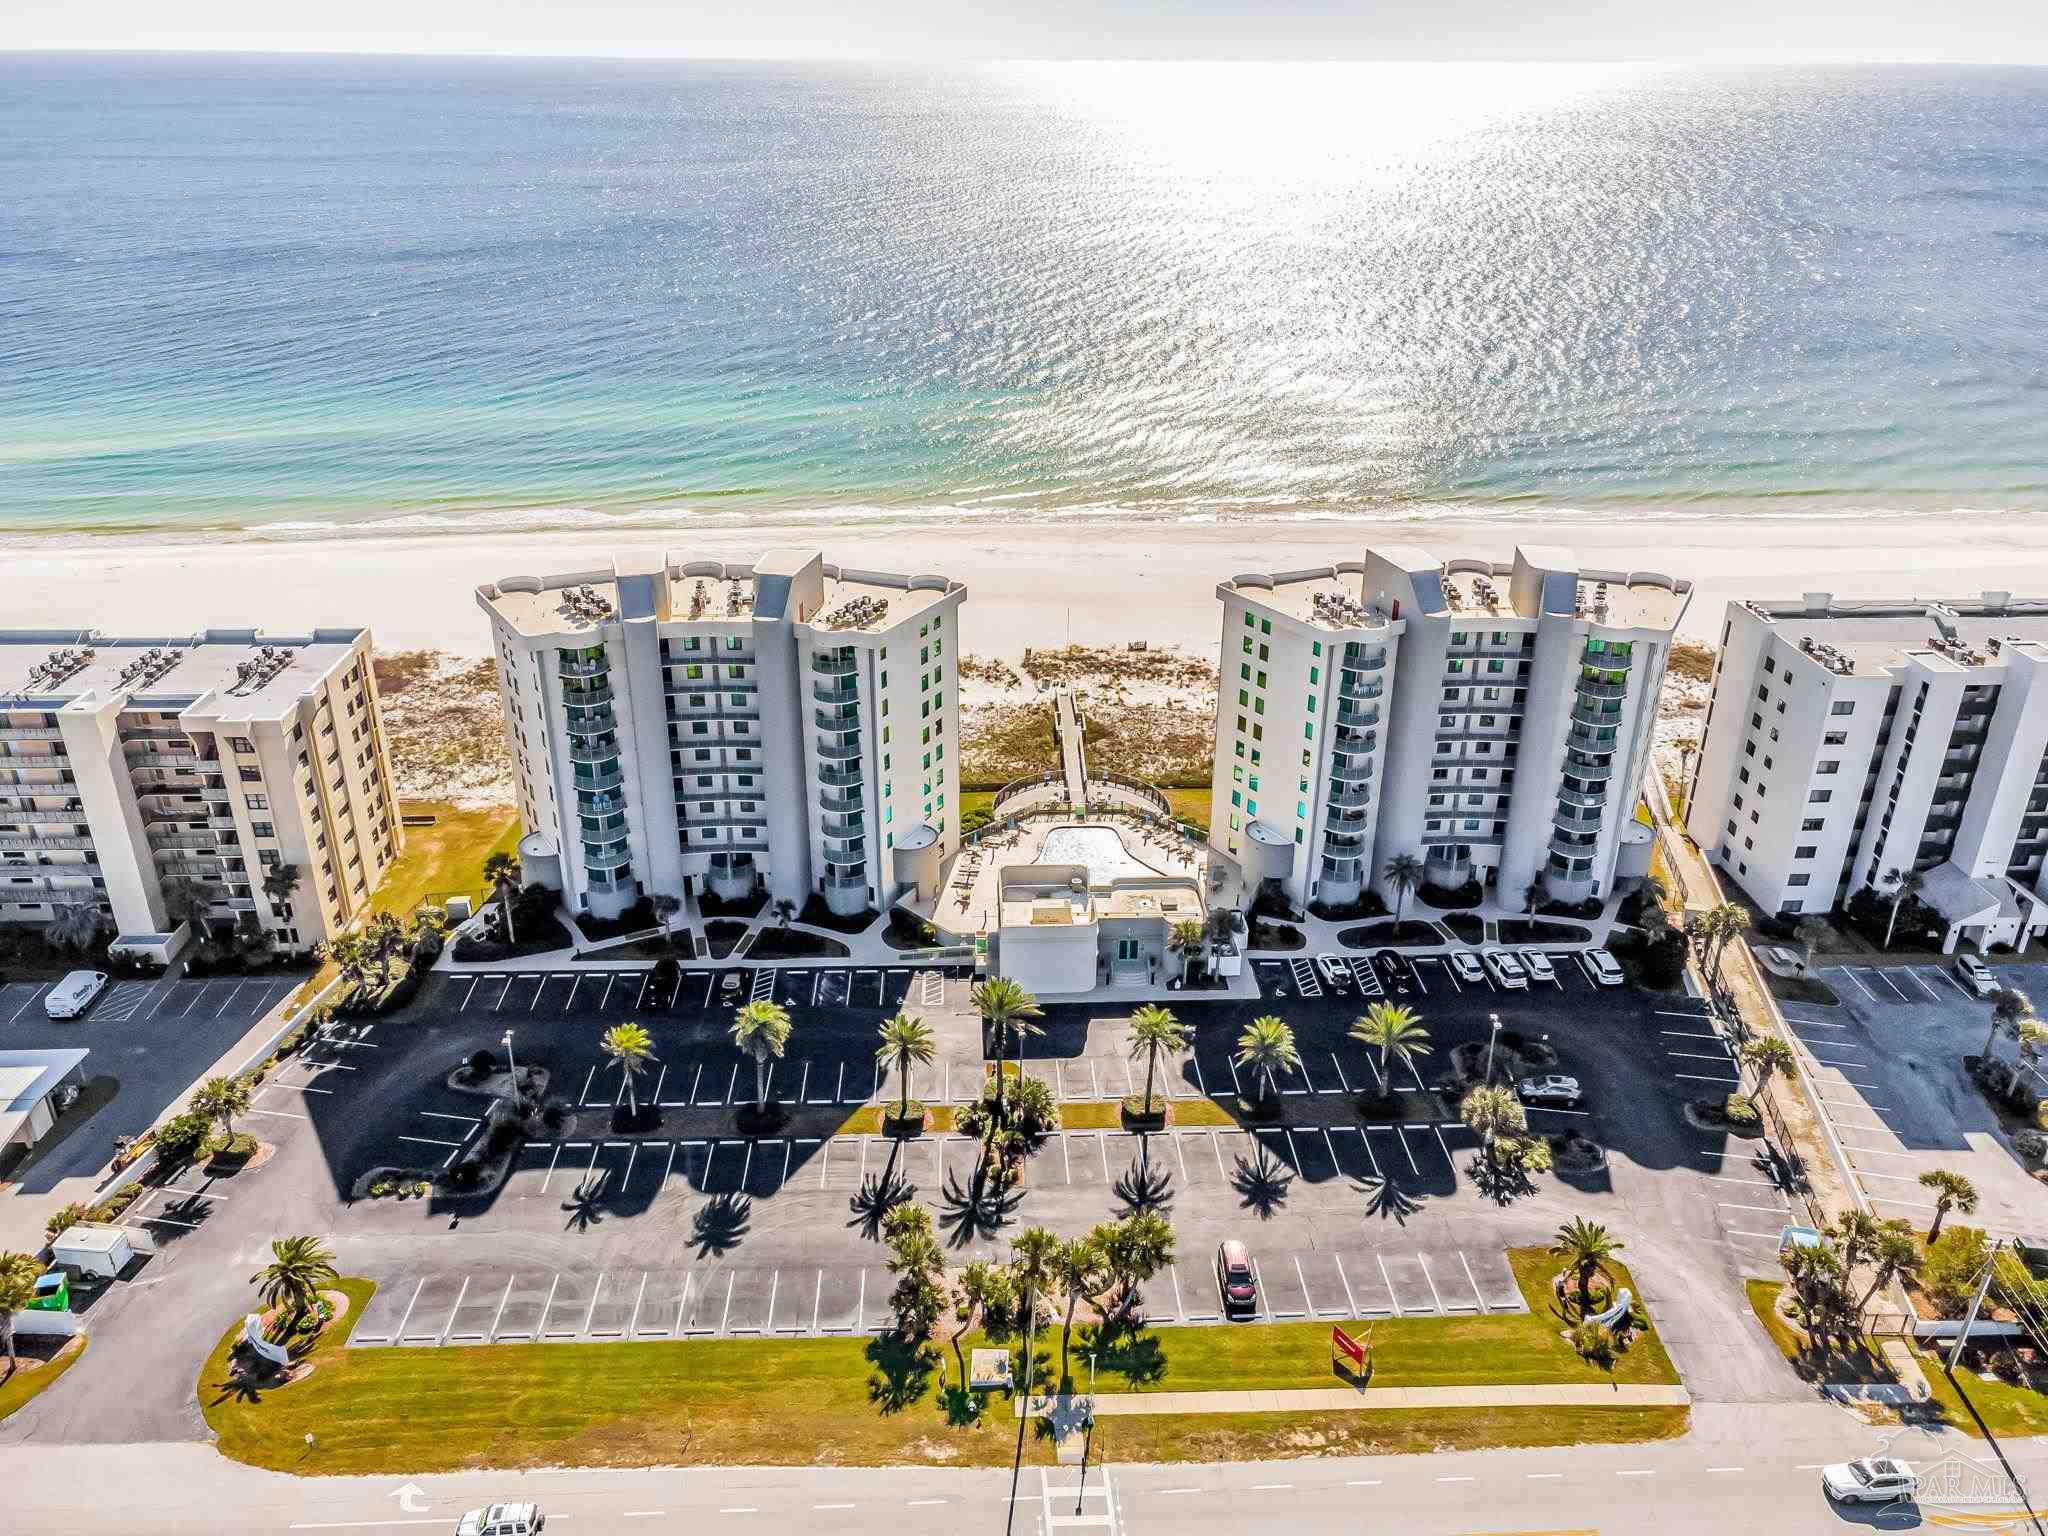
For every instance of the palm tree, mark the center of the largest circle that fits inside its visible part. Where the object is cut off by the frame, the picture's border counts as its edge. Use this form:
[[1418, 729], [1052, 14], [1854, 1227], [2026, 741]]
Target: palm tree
[[1492, 1113], [2008, 1008], [1894, 1254], [906, 1043], [1858, 1233], [1185, 938], [18, 1275], [1078, 1269], [1586, 1246], [2033, 1035], [760, 1029], [1952, 1192], [1133, 1250], [1404, 873], [1394, 1031], [186, 901], [1902, 883], [75, 925], [1688, 747], [665, 909], [351, 956], [1155, 1030], [1032, 1252], [222, 1098], [630, 1048], [1767, 1054], [1267, 1045], [501, 873], [1720, 924], [279, 881], [1811, 933], [297, 1270], [384, 937], [1007, 1009]]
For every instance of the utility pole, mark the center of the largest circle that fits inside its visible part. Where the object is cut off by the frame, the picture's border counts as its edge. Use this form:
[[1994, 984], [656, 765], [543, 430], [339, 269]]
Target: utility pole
[[1976, 1301]]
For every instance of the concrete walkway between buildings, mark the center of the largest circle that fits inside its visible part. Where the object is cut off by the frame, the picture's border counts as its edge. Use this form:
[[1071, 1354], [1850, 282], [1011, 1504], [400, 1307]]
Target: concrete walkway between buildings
[[1350, 1400]]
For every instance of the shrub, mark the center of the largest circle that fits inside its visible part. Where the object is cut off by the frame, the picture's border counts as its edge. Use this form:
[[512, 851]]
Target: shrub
[[1740, 1109], [974, 820], [1661, 964], [661, 981], [2031, 1145], [1033, 1108], [480, 1064], [1470, 894], [70, 1216], [974, 1119], [1954, 1261], [181, 1136], [468, 1173], [1594, 1342]]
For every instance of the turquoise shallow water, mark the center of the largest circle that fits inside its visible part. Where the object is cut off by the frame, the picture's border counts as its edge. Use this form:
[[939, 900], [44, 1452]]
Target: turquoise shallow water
[[295, 295]]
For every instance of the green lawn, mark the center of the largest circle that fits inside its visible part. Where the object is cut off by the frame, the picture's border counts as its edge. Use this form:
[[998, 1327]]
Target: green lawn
[[21, 1388], [868, 1402], [2007, 1409], [446, 859], [1862, 1363]]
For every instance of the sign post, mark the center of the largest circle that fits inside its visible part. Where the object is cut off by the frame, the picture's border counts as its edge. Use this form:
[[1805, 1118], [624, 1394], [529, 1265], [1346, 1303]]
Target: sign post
[[1351, 1357]]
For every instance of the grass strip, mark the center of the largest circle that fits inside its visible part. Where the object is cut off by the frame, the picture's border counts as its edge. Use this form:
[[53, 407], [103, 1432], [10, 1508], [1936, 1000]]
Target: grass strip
[[24, 1386]]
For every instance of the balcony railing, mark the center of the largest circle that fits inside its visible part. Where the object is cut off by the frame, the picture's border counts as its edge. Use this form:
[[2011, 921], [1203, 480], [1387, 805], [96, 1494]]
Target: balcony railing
[[841, 848], [1565, 843], [842, 751], [1351, 773], [1344, 799], [850, 880], [9, 814], [587, 697], [592, 719], [1594, 688], [1585, 713], [1588, 769], [840, 720], [1363, 662], [166, 760], [1570, 796], [1586, 739], [1357, 738], [1358, 687], [834, 693], [835, 664], [596, 783], [30, 733], [839, 777], [606, 856], [1347, 820], [599, 667], [1572, 818], [605, 751], [1335, 841], [1359, 715], [841, 805]]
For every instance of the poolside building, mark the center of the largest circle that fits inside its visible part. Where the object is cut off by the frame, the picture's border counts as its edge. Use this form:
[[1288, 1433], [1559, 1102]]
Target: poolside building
[[139, 775], [1849, 742], [704, 727], [1087, 914], [1492, 720]]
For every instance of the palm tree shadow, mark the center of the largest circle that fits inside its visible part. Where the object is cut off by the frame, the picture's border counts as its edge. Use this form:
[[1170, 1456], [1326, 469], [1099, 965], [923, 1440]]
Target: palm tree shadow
[[1388, 1200], [879, 1194], [1262, 1185], [1501, 1182], [720, 1223], [974, 1210], [585, 1204], [1143, 1187], [902, 1374]]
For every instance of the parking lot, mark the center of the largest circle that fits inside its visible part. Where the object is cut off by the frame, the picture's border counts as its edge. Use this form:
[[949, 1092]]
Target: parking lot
[[1888, 1066], [154, 1037]]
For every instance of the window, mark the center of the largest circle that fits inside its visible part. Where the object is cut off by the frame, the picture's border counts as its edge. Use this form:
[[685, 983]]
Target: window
[[1830, 765], [241, 744], [1835, 739], [1812, 824], [1770, 667], [1821, 796], [1842, 707], [1799, 880], [1805, 850], [257, 802]]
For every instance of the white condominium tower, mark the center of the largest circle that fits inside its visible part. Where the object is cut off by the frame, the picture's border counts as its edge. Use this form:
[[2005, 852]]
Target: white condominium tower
[[1491, 720], [1852, 741], [679, 728], [210, 758]]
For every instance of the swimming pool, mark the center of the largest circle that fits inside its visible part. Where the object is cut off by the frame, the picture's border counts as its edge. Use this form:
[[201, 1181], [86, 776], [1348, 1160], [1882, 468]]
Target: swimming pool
[[1099, 849]]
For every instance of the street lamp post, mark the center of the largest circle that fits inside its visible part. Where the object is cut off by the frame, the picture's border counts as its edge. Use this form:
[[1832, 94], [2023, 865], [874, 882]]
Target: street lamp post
[[1493, 1019], [511, 1066]]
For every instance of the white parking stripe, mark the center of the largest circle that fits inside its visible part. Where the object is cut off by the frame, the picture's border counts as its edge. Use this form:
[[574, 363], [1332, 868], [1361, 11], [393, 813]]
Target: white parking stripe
[[1852, 976]]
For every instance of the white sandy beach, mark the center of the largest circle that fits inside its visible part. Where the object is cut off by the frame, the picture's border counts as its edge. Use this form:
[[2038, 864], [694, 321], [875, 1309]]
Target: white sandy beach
[[1029, 586]]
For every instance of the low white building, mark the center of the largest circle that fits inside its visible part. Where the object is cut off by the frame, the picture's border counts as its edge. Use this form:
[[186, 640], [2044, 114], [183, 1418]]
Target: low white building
[[31, 1084], [1850, 741], [1493, 720]]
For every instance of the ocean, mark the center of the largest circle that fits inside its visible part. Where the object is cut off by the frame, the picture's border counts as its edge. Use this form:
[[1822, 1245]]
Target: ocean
[[285, 297]]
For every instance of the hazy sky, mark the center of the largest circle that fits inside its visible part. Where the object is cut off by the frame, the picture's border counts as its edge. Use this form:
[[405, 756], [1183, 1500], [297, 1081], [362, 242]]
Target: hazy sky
[[2003, 31]]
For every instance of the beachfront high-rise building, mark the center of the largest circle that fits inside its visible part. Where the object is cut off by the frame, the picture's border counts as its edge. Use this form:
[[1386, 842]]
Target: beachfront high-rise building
[[682, 728], [1491, 720], [1849, 742], [138, 776]]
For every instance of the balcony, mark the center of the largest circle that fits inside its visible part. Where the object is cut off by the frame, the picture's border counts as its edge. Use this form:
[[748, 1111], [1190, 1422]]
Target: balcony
[[18, 844], [601, 751], [592, 720], [844, 751], [836, 663], [1346, 821], [834, 693], [1356, 738], [167, 760], [1569, 845], [1343, 844], [1345, 799], [1586, 739], [598, 782], [1339, 867], [600, 667], [600, 828], [1354, 687], [1571, 818], [1584, 713], [1361, 715], [606, 856], [7, 814], [203, 841], [844, 848], [854, 878], [1342, 772], [841, 805], [839, 720], [587, 697], [1594, 688], [1472, 733], [1595, 799], [1606, 659], [839, 778], [1365, 661], [31, 733]]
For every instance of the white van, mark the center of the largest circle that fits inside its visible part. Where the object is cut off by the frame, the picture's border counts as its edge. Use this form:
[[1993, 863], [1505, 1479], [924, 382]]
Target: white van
[[503, 1520], [74, 994]]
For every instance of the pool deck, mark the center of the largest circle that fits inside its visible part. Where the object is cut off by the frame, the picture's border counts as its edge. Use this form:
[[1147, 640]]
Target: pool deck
[[969, 901]]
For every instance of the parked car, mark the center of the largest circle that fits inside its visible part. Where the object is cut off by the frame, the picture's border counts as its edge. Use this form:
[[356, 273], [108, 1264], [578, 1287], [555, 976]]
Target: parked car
[[1335, 974], [1550, 1088], [503, 1520], [1397, 975], [1465, 966], [1506, 969], [1234, 1278], [1976, 975], [1870, 1480], [1538, 965], [1605, 969], [74, 994]]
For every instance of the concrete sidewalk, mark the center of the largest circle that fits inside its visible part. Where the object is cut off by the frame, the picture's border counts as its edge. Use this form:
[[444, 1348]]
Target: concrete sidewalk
[[1348, 1400]]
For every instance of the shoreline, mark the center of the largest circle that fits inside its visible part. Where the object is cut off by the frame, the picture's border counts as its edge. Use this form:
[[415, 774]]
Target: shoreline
[[1030, 585]]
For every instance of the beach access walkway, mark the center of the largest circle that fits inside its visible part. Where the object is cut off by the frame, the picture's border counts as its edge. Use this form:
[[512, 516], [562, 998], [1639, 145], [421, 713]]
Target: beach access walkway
[[1067, 729]]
